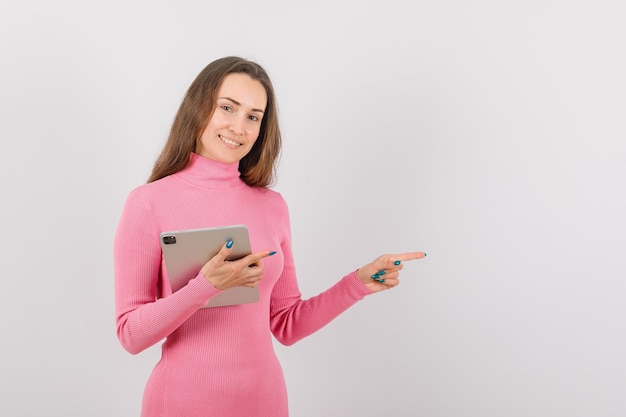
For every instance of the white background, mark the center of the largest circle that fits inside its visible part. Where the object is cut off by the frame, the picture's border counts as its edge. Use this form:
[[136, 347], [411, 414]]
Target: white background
[[490, 134]]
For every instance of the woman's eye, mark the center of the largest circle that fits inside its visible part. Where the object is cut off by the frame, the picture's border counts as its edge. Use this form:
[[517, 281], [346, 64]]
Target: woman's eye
[[226, 107], [254, 118]]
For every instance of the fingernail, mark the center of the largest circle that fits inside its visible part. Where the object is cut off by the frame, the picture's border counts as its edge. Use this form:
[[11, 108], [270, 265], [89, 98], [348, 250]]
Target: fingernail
[[425, 254], [229, 244], [375, 276], [381, 280], [396, 263], [273, 253], [382, 272]]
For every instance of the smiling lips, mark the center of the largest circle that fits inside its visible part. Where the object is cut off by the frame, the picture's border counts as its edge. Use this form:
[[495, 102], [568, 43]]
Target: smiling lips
[[229, 142]]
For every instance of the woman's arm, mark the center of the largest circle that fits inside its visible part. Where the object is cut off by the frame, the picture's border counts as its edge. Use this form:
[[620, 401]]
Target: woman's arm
[[292, 318], [142, 319]]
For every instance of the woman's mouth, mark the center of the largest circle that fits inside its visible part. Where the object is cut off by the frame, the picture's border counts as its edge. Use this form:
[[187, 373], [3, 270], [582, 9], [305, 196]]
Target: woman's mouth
[[229, 142]]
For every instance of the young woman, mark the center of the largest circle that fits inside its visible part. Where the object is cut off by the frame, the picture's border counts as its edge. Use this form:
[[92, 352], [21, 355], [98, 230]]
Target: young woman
[[215, 170]]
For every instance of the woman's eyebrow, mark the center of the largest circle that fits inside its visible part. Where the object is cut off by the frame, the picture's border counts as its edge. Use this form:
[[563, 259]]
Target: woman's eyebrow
[[239, 104]]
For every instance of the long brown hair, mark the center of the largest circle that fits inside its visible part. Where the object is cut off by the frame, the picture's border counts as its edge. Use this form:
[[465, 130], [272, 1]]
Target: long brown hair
[[258, 167]]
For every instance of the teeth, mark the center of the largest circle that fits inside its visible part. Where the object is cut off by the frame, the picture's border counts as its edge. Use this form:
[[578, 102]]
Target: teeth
[[229, 142]]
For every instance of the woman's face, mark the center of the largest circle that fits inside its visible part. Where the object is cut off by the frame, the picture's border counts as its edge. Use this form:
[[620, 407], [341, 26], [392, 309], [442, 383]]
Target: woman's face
[[235, 124]]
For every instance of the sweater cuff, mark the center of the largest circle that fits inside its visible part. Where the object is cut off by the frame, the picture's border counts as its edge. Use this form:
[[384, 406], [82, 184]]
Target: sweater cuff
[[201, 290], [355, 286]]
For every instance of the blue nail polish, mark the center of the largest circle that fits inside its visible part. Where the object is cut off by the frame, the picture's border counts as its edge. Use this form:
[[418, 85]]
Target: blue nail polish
[[396, 263], [229, 244], [381, 280], [375, 276], [382, 272], [273, 253]]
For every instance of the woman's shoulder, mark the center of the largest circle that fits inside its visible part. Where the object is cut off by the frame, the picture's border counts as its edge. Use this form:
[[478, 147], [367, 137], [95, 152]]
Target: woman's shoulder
[[151, 190], [271, 198], [270, 194]]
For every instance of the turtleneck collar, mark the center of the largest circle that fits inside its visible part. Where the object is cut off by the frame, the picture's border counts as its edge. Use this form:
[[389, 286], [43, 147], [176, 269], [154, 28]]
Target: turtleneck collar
[[207, 173]]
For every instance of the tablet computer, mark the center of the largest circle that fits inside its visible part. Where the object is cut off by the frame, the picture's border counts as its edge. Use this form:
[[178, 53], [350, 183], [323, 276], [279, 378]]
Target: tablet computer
[[186, 251]]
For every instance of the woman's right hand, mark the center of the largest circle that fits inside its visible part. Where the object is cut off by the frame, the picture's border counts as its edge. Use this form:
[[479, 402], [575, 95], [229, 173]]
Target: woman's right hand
[[223, 274]]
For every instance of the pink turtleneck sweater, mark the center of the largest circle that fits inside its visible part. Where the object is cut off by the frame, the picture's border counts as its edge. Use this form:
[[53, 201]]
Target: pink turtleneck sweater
[[215, 361]]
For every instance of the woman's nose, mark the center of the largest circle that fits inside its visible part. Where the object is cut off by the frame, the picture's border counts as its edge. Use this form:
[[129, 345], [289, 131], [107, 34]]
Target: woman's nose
[[237, 125]]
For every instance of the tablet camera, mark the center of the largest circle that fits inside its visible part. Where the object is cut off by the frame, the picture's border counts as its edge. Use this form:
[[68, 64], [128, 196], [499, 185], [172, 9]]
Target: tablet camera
[[169, 240]]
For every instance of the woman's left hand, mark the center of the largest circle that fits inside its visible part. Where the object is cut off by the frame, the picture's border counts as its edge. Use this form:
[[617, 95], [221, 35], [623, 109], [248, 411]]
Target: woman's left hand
[[384, 272]]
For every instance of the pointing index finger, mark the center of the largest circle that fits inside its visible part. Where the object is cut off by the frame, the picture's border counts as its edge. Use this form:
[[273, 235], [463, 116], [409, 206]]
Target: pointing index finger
[[408, 256], [257, 256]]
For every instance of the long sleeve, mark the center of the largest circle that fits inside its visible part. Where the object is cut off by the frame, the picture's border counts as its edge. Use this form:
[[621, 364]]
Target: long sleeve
[[291, 317], [142, 318]]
